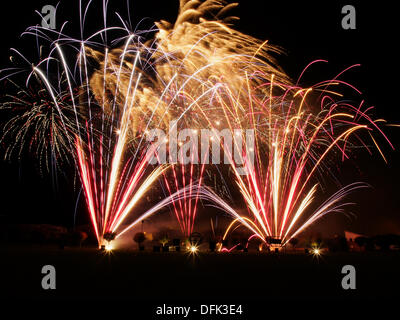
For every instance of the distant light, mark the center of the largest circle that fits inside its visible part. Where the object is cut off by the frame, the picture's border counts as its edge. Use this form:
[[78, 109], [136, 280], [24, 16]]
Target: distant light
[[316, 251], [109, 247], [193, 249], [118, 132]]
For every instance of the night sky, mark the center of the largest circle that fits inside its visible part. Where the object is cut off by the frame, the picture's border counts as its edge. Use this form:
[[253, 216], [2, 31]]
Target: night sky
[[307, 31]]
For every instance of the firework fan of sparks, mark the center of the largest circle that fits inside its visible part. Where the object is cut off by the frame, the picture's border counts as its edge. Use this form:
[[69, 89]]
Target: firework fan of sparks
[[200, 71], [293, 146], [182, 175], [40, 124]]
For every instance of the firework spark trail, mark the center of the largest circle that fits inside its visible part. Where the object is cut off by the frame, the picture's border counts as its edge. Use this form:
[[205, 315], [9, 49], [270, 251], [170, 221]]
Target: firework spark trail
[[126, 201], [119, 201], [174, 197], [288, 153], [110, 194], [36, 125], [167, 65], [334, 204], [185, 208]]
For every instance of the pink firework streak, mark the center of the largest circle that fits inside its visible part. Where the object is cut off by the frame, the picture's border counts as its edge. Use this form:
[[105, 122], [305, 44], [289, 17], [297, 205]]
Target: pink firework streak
[[188, 175], [290, 152], [120, 188]]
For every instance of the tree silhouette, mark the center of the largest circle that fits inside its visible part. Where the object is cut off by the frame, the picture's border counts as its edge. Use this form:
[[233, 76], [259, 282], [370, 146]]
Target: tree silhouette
[[164, 240], [361, 241], [109, 236], [294, 242], [139, 238]]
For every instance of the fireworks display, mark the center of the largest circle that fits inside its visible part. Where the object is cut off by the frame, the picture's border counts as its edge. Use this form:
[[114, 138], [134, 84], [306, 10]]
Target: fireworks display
[[291, 146], [185, 208], [93, 102]]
